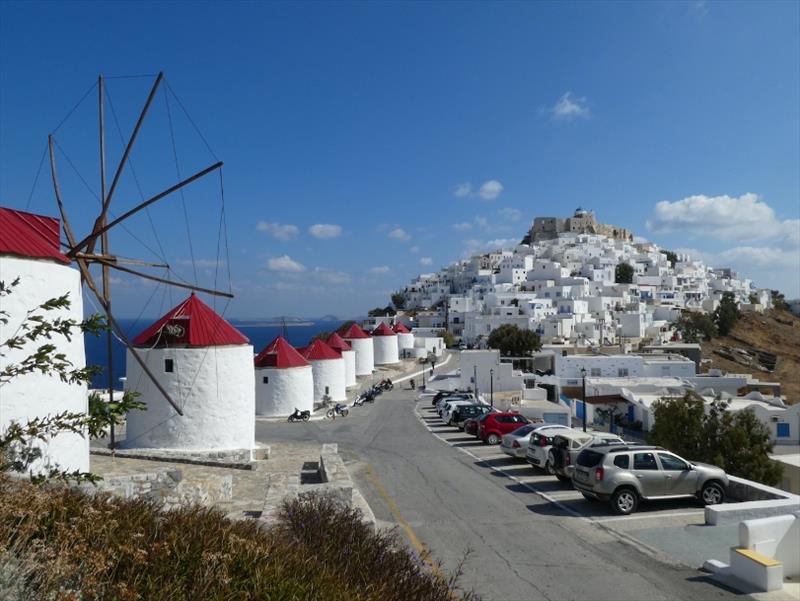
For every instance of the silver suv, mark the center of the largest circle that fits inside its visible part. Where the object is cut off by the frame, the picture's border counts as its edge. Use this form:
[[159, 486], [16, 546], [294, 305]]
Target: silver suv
[[625, 475]]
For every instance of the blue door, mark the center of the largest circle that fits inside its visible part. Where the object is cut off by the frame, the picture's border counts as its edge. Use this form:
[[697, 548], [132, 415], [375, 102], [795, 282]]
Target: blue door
[[631, 414], [580, 410], [783, 430]]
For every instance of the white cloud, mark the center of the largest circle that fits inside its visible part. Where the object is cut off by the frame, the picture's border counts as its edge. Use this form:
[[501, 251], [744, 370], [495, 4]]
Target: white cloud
[[480, 221], [463, 226], [569, 107], [281, 231], [325, 230], [399, 233], [414, 249], [331, 276], [474, 245], [426, 261], [490, 190], [379, 270], [510, 214], [724, 218], [285, 264], [463, 190]]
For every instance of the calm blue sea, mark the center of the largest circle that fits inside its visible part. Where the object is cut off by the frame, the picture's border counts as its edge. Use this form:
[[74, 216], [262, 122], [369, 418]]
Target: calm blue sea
[[259, 338]]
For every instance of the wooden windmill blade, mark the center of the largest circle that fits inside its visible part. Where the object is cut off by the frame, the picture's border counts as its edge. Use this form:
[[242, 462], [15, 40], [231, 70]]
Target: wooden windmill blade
[[82, 251]]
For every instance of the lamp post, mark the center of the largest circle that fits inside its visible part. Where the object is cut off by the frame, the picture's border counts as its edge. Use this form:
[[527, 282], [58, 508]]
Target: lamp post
[[423, 376], [583, 396], [491, 388], [475, 378]]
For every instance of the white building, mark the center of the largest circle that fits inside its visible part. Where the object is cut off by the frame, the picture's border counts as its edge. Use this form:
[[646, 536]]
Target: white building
[[284, 380], [328, 369], [206, 366], [405, 338], [385, 345], [29, 250], [361, 343], [338, 343]]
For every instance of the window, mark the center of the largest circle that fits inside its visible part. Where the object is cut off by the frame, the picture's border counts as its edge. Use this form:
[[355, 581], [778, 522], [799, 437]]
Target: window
[[265, 380], [622, 461], [622, 372], [670, 462], [327, 390], [644, 461], [169, 365], [595, 372]]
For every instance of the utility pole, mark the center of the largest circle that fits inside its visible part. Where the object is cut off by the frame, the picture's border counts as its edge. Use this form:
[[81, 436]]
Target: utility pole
[[491, 388], [583, 396], [475, 378]]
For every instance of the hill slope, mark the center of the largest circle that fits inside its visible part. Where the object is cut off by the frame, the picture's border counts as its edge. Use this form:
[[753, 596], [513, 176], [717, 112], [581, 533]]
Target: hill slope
[[776, 332]]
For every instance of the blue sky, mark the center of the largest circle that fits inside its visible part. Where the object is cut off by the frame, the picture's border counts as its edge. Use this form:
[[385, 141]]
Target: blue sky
[[410, 134]]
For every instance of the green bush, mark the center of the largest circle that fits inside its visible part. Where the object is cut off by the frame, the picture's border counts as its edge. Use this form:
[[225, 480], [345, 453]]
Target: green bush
[[99, 547]]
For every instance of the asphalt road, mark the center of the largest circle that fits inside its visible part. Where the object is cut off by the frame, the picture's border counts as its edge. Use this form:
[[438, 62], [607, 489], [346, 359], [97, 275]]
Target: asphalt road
[[515, 544]]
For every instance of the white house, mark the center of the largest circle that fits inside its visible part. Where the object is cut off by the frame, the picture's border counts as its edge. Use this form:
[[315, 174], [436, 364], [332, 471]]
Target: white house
[[328, 369], [284, 380]]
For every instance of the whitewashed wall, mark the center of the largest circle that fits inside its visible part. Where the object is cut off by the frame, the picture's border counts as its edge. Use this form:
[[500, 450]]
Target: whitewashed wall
[[37, 395], [405, 340], [349, 368], [214, 387], [386, 350], [285, 390], [329, 373], [365, 357]]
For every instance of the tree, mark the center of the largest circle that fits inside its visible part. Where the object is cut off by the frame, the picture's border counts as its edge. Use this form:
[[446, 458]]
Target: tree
[[21, 444], [447, 337], [511, 341], [388, 310], [779, 300], [727, 313], [671, 257], [695, 327], [398, 300], [738, 442], [623, 274]]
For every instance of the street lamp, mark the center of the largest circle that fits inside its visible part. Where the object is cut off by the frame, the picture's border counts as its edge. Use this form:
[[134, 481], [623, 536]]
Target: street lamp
[[583, 396], [423, 376], [491, 388], [475, 378]]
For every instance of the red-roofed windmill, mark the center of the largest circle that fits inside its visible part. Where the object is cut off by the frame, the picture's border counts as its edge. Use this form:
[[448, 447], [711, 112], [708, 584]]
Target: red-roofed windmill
[[83, 251]]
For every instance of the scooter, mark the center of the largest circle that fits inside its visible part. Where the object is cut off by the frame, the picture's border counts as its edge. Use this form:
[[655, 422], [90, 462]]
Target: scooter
[[386, 384], [338, 409], [299, 416]]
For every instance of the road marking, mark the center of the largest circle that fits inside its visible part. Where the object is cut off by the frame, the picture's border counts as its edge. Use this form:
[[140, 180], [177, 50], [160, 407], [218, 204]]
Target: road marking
[[417, 544], [645, 516]]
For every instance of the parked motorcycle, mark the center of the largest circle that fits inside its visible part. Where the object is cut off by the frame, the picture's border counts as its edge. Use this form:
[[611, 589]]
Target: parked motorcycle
[[385, 384], [299, 416], [338, 409]]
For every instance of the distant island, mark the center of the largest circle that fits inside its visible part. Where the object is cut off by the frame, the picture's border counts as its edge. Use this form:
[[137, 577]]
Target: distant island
[[289, 322]]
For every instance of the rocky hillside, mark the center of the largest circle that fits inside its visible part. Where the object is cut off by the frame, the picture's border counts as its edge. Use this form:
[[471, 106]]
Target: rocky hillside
[[753, 345]]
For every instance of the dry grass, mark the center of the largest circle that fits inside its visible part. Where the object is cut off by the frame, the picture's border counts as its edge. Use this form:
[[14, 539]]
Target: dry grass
[[770, 332], [105, 548]]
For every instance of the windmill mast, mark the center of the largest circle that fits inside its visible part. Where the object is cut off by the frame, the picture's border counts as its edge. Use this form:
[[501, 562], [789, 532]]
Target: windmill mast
[[104, 250]]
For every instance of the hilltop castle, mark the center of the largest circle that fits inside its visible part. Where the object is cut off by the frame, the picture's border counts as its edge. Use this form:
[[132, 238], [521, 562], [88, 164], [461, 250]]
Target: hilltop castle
[[582, 222]]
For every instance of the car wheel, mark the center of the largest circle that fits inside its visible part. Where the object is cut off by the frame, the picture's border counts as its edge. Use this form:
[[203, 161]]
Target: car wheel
[[624, 501], [548, 467], [712, 494], [492, 439]]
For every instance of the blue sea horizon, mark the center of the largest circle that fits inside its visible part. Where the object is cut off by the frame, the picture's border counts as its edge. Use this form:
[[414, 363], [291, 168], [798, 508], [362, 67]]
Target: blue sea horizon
[[259, 336]]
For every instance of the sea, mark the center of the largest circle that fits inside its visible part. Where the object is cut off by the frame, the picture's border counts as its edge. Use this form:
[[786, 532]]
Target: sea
[[260, 336]]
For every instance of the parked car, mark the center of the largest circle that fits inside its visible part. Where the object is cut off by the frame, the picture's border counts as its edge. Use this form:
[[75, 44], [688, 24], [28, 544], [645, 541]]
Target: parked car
[[449, 403], [516, 443], [471, 425], [626, 475], [567, 445], [461, 396], [491, 429], [454, 393], [450, 407], [538, 451], [462, 413]]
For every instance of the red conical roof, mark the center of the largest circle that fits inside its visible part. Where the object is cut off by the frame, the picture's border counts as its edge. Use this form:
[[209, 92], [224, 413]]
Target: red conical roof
[[319, 350], [354, 331], [399, 328], [383, 330], [191, 323], [338, 343], [27, 235], [279, 353]]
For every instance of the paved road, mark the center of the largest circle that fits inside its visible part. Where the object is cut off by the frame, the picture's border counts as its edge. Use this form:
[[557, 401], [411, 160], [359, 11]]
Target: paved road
[[522, 545]]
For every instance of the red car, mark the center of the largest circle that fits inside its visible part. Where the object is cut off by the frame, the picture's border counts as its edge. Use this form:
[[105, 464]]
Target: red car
[[494, 425]]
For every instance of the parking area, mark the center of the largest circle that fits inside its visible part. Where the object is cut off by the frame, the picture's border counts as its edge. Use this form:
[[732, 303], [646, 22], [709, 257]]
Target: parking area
[[671, 530]]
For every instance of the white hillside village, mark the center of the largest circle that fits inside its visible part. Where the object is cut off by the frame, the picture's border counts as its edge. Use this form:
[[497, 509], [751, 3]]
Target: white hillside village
[[618, 340]]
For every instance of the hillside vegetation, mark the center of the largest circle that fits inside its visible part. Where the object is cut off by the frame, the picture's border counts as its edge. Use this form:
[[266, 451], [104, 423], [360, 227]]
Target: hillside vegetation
[[776, 332], [58, 544]]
